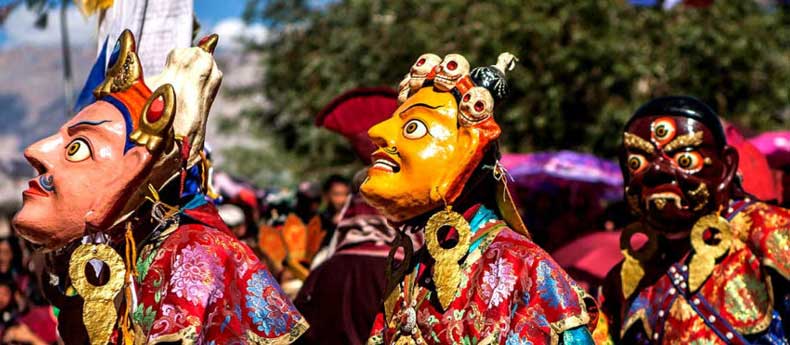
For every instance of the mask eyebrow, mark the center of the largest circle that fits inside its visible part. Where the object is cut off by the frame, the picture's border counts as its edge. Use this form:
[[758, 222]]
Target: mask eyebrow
[[419, 105], [73, 128], [683, 141], [632, 141]]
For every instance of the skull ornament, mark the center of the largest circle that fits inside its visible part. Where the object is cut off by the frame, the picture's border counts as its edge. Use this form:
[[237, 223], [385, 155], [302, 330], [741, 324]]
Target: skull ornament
[[450, 71], [403, 89], [476, 106], [424, 65]]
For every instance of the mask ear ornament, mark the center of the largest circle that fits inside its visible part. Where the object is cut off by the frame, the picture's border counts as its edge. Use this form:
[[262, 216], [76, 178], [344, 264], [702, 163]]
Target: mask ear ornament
[[156, 124], [98, 313], [632, 271]]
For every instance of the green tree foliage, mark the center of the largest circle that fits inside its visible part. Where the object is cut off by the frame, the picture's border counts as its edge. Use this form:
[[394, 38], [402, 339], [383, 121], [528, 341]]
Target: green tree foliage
[[585, 66]]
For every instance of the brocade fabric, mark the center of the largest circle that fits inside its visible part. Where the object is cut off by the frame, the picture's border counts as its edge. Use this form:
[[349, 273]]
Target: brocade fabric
[[199, 285], [739, 288], [511, 292]]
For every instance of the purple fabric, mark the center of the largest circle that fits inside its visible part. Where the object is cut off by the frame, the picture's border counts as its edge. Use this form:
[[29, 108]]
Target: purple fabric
[[547, 170]]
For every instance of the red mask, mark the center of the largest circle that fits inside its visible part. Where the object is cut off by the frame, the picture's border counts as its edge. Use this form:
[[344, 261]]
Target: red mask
[[675, 171]]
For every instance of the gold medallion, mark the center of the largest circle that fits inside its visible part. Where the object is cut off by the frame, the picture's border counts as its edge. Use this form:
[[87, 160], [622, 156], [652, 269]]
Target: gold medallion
[[706, 252], [447, 271], [98, 311]]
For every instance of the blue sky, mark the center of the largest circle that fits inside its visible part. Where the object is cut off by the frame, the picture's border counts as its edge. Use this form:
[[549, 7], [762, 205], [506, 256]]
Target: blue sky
[[210, 12], [19, 30]]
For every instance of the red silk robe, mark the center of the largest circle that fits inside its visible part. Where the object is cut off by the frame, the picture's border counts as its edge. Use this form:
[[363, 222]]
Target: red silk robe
[[511, 292], [738, 290], [197, 283]]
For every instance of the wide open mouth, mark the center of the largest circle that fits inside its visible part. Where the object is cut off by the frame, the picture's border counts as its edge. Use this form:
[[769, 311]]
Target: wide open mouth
[[382, 161], [660, 200], [35, 188], [665, 195]]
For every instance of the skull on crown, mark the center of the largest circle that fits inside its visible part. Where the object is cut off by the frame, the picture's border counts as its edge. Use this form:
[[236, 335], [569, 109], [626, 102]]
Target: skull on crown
[[453, 67], [476, 106], [421, 68]]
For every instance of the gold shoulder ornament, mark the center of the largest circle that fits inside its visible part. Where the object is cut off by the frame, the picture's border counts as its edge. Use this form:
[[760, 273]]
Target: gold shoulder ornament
[[707, 251], [446, 270], [98, 311]]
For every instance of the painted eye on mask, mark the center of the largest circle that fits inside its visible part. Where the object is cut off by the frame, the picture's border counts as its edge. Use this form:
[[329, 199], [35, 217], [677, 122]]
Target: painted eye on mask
[[690, 161], [78, 150], [663, 130], [636, 163], [414, 129]]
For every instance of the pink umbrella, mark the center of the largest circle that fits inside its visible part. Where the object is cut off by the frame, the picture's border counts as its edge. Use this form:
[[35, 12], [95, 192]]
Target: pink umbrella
[[775, 146], [758, 179], [589, 258], [596, 253]]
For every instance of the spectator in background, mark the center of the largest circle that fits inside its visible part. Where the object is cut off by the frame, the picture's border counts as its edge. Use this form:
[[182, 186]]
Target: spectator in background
[[8, 307], [11, 267], [19, 322], [25, 315], [336, 191], [233, 216], [341, 296], [308, 201]]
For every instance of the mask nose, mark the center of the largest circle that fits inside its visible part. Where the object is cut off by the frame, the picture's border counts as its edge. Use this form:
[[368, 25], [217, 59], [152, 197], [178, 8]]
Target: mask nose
[[38, 153], [378, 135], [659, 172]]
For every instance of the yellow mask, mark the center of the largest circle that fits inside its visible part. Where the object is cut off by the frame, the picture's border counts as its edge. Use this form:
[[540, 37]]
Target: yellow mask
[[434, 141]]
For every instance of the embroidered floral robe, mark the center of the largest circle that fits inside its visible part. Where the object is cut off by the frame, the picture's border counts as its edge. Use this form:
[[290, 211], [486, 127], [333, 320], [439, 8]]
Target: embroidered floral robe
[[511, 292], [735, 304], [198, 284]]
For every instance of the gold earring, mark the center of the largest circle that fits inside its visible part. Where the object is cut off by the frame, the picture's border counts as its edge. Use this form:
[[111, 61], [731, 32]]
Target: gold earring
[[447, 271], [632, 271], [98, 311], [705, 255]]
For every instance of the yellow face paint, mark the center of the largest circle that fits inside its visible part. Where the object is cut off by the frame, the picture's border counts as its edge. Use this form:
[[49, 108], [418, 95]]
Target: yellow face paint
[[423, 156]]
